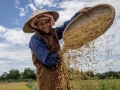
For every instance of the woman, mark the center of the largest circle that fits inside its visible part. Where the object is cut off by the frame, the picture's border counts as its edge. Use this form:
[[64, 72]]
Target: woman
[[45, 48]]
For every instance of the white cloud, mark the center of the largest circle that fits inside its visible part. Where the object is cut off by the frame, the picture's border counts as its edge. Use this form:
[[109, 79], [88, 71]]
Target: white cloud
[[23, 11], [14, 43], [41, 3], [4, 45], [2, 29], [17, 2], [71, 5], [32, 6], [110, 65], [16, 22], [14, 49], [15, 36]]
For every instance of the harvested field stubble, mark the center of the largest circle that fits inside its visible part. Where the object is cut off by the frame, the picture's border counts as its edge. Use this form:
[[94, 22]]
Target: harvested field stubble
[[14, 86]]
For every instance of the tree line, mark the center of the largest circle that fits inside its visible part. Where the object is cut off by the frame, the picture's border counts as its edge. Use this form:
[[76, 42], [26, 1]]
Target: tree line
[[87, 75], [15, 74], [28, 73]]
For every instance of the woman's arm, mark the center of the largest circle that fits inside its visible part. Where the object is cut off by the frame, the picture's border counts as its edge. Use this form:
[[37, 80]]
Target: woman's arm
[[59, 30], [39, 48]]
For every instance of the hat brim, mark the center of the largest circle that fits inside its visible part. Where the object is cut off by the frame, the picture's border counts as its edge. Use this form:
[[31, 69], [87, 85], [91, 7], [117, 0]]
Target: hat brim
[[28, 29], [41, 18]]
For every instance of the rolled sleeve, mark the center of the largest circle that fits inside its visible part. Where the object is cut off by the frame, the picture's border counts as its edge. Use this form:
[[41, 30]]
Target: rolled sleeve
[[38, 46]]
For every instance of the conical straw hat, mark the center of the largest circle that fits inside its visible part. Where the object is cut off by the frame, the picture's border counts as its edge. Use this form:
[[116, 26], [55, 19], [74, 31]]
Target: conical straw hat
[[28, 29]]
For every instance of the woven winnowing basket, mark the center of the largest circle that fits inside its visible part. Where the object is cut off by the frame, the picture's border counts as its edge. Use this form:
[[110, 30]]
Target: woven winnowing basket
[[93, 13]]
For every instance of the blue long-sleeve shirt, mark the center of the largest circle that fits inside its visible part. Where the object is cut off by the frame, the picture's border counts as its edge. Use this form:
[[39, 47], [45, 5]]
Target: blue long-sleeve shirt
[[38, 46]]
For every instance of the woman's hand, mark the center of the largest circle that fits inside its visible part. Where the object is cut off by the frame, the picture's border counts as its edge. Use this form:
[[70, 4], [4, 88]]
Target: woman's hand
[[84, 10], [60, 53]]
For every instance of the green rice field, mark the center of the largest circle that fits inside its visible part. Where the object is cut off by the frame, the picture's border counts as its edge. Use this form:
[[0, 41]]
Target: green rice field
[[106, 84]]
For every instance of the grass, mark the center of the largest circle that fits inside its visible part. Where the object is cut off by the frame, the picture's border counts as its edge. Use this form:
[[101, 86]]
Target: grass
[[110, 84], [32, 85], [106, 84], [14, 86]]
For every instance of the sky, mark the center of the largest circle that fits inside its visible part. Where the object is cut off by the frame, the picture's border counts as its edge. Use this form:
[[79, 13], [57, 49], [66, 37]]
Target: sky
[[14, 43]]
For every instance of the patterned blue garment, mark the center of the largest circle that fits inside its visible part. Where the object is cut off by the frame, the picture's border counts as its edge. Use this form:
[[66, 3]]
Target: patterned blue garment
[[38, 46]]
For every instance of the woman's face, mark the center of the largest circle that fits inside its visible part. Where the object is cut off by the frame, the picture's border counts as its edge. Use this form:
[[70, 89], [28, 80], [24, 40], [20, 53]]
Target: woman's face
[[44, 25]]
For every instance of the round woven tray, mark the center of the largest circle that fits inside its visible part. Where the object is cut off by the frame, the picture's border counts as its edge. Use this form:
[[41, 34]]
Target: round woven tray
[[94, 13]]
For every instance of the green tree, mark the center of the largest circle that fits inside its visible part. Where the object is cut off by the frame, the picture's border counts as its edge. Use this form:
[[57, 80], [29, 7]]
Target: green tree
[[90, 73], [14, 74], [4, 76], [111, 74], [101, 76], [28, 74]]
